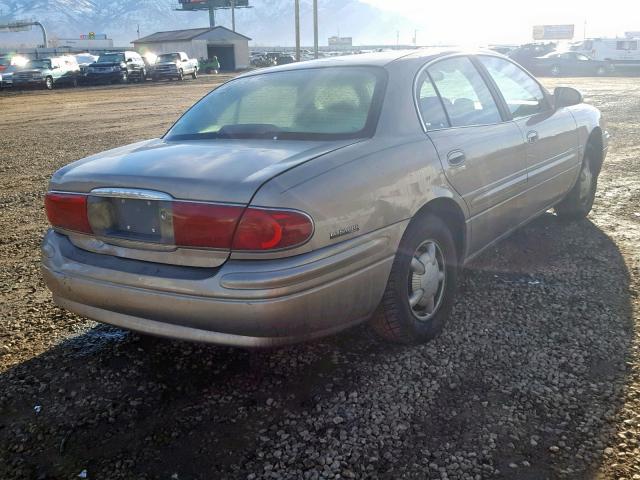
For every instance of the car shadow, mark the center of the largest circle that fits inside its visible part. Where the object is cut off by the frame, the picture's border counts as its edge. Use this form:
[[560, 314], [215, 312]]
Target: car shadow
[[533, 359]]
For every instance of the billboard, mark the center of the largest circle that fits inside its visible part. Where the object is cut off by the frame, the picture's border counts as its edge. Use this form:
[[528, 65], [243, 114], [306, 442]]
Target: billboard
[[553, 32], [204, 4], [340, 41]]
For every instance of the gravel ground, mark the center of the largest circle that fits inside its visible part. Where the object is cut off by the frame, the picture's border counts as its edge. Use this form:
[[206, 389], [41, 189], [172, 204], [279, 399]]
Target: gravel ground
[[536, 376]]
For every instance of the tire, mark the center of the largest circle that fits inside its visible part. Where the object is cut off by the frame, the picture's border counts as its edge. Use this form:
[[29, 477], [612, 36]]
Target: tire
[[124, 78], [48, 83], [194, 75], [395, 320], [74, 82], [579, 201], [180, 75], [556, 70]]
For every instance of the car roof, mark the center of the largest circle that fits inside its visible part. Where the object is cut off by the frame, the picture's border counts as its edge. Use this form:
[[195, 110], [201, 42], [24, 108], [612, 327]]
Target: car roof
[[377, 59]]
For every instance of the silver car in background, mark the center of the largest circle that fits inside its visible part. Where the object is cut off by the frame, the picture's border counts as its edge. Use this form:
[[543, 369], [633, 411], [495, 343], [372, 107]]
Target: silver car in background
[[296, 201]]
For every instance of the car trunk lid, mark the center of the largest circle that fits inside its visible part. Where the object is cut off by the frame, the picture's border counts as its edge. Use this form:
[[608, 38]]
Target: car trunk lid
[[132, 189]]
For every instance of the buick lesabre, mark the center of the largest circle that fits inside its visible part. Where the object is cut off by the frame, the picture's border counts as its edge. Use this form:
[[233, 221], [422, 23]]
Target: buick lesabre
[[296, 201]]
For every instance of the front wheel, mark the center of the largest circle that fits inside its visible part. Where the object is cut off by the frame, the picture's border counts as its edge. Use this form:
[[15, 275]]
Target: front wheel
[[48, 83], [422, 284], [578, 203], [180, 75], [194, 75], [124, 78]]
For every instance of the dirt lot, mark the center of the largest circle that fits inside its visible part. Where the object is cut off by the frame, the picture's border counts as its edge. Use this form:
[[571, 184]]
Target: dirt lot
[[536, 376]]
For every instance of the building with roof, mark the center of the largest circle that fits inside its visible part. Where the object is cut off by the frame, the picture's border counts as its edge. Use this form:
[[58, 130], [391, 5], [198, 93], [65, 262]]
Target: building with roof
[[231, 48]]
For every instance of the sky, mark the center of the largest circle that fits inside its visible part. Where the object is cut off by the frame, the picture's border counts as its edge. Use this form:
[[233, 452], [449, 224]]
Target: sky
[[496, 21]]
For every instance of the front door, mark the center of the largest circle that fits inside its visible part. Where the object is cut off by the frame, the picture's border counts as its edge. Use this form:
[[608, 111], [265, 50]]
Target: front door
[[482, 155], [552, 153]]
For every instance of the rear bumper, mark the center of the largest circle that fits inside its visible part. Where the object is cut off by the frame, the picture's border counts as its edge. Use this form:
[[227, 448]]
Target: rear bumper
[[243, 303]]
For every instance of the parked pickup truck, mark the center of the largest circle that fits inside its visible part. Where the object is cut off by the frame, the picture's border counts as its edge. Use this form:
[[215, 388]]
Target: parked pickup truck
[[48, 72], [175, 66]]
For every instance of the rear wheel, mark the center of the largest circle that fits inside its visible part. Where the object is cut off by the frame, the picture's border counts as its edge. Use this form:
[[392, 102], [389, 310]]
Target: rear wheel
[[578, 203], [421, 286], [124, 78]]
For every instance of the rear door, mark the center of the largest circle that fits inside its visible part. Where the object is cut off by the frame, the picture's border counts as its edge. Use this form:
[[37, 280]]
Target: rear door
[[481, 154], [553, 156]]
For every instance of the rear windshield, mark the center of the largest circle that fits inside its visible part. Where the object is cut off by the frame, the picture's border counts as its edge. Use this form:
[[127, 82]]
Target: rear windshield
[[111, 58], [318, 103], [168, 57]]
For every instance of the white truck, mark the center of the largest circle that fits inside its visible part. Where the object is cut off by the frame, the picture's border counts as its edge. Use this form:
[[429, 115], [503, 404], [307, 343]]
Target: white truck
[[174, 65], [619, 52]]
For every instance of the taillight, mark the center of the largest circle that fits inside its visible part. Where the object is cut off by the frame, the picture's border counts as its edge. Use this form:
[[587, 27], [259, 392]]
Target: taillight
[[204, 225], [198, 225], [67, 211], [269, 229]]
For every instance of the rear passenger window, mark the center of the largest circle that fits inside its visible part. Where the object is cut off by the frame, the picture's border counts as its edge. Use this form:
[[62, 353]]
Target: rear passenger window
[[429, 104], [522, 93], [465, 96]]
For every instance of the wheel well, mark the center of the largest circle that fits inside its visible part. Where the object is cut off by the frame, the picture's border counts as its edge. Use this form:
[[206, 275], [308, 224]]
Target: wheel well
[[451, 214], [594, 151]]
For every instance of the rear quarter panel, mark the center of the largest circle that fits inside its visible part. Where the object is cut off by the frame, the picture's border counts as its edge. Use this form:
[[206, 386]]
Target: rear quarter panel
[[362, 188]]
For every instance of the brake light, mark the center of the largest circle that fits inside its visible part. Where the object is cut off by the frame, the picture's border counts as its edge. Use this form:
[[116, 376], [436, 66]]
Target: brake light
[[68, 211], [268, 229], [204, 225]]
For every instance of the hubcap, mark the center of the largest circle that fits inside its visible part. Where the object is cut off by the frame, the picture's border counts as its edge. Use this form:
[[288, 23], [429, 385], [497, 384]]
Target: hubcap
[[586, 181], [427, 278]]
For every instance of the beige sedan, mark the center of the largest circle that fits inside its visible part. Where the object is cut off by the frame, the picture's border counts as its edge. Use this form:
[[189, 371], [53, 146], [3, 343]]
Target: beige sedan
[[296, 201]]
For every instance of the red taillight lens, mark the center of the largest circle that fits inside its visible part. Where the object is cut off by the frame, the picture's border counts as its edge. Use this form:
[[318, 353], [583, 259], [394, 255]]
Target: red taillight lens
[[68, 211], [204, 225], [266, 229]]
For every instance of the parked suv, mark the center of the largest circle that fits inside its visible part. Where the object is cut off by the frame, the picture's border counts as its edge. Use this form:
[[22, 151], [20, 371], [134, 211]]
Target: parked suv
[[117, 67], [175, 65], [48, 73]]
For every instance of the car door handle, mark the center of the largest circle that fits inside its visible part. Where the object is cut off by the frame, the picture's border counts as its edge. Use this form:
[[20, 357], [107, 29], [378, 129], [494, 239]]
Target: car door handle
[[532, 137], [456, 157]]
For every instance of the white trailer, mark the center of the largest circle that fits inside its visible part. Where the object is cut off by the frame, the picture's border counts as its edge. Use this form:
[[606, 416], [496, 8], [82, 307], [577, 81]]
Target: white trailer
[[617, 51]]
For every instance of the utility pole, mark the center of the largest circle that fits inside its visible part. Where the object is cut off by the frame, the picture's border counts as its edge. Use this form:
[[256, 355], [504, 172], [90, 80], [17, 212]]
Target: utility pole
[[212, 15], [233, 15], [297, 15], [315, 28]]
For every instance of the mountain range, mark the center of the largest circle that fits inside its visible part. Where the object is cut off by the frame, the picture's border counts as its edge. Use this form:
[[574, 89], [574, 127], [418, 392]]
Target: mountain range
[[268, 22]]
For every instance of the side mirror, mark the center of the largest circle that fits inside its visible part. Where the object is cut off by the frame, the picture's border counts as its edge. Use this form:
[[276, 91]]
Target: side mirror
[[566, 97]]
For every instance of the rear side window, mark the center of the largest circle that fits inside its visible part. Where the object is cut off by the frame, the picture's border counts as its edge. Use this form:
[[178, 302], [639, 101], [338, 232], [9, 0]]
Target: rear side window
[[429, 104], [465, 96], [522, 93]]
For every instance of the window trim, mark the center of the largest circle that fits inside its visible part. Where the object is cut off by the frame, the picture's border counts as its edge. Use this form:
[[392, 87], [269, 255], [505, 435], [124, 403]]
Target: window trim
[[490, 85], [545, 94]]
